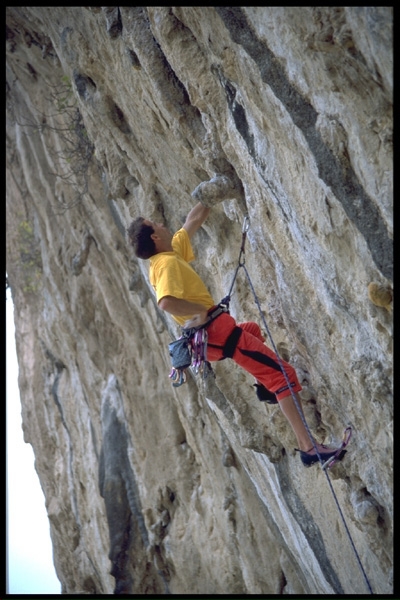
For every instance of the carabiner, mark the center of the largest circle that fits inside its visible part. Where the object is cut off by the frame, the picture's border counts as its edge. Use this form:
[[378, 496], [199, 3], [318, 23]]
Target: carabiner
[[246, 224]]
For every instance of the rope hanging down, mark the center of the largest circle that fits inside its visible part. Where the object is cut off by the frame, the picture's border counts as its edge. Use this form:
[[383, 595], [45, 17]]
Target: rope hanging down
[[225, 301]]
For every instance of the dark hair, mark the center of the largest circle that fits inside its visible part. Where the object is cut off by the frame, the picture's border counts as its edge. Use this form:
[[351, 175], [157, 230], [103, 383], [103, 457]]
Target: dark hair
[[140, 239]]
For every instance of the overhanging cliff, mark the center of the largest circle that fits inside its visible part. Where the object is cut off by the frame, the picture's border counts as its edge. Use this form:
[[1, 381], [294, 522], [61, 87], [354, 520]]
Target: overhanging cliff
[[117, 112]]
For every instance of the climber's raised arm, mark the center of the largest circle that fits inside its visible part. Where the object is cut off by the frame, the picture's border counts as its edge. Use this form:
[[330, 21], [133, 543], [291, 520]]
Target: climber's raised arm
[[196, 218]]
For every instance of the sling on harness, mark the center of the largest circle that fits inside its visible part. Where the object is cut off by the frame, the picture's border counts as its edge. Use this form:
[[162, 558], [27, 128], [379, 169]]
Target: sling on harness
[[190, 350]]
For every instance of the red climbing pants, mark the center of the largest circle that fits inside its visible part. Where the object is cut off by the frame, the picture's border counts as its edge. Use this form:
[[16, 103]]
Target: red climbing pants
[[249, 352]]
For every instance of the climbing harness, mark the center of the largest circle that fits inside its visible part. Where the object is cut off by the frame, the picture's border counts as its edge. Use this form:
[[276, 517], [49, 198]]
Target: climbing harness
[[225, 302]]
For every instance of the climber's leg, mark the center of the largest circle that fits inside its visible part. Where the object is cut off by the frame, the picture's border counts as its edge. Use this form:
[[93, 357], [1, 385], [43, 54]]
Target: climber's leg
[[261, 362], [292, 414], [263, 394], [304, 441], [252, 328]]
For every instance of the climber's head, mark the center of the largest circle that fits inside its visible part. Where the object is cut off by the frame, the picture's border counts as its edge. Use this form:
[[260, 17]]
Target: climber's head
[[148, 238], [139, 234]]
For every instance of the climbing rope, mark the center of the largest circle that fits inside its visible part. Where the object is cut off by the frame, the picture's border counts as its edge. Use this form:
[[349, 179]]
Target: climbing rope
[[225, 301]]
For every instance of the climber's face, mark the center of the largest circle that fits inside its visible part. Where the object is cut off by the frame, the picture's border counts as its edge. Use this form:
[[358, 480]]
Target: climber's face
[[162, 236]]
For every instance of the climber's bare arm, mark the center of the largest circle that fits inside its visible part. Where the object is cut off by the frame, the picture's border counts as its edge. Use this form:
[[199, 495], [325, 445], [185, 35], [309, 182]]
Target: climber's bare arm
[[195, 219], [182, 308]]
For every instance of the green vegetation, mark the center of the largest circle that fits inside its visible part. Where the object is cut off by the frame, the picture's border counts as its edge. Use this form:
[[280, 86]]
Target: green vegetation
[[31, 260]]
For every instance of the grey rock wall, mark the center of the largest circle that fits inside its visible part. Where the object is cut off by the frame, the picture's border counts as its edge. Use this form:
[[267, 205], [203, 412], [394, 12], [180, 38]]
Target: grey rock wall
[[116, 112]]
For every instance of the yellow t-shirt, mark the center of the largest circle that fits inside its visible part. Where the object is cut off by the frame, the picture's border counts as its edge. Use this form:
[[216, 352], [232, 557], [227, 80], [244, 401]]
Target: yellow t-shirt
[[171, 275]]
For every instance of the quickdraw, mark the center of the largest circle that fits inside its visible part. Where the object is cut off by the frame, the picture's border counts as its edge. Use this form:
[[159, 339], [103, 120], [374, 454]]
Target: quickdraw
[[178, 377], [199, 349], [196, 348]]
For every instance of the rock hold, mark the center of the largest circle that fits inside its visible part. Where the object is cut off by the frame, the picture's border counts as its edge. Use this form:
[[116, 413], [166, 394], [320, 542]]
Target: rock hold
[[216, 190], [380, 295]]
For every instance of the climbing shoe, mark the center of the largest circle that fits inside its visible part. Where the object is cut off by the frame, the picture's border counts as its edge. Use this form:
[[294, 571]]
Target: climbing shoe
[[309, 459], [265, 395]]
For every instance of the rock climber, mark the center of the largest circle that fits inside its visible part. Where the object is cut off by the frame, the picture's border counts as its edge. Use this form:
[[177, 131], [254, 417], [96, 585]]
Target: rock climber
[[181, 292]]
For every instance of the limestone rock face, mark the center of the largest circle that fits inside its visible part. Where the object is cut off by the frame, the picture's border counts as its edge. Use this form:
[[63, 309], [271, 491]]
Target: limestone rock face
[[117, 112]]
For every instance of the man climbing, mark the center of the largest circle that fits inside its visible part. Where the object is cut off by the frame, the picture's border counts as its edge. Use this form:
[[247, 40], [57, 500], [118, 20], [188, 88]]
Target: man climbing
[[181, 292]]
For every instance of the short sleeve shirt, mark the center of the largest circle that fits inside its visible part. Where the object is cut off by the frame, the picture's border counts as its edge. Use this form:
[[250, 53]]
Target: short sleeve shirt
[[171, 275]]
